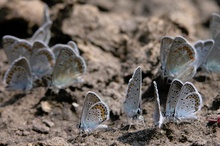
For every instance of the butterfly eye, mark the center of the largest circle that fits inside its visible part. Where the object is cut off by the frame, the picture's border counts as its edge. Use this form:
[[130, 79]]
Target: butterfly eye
[[169, 81], [139, 111], [78, 125]]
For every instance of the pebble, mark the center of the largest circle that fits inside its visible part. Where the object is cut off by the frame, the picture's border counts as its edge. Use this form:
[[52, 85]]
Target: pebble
[[41, 128], [48, 123]]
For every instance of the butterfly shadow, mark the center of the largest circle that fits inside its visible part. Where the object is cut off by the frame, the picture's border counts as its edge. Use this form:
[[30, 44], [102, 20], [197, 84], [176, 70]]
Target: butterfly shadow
[[163, 88], [201, 76], [204, 76], [60, 97], [142, 137], [128, 126], [216, 103], [12, 100]]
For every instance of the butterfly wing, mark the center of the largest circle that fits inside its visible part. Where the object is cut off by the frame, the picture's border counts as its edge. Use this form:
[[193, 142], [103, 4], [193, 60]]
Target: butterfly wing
[[8, 45], [43, 33], [172, 97], [208, 45], [187, 74], [20, 48], [212, 63], [186, 90], [68, 69], [97, 114], [132, 103], [179, 59], [188, 106], [8, 41], [42, 63], [46, 17], [166, 43], [38, 45], [73, 45], [215, 25], [90, 99], [177, 41], [18, 76], [199, 46], [203, 48], [56, 48], [158, 117], [15, 48]]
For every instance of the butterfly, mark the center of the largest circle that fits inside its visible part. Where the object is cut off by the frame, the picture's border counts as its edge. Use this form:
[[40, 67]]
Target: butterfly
[[132, 104], [46, 17], [56, 48], [18, 76], [212, 62], [42, 60], [158, 116], [68, 69], [15, 48], [183, 102], [203, 48], [43, 33], [178, 58], [94, 113]]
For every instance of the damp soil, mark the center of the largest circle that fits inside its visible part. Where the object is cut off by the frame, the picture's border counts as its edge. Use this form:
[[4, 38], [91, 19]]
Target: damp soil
[[114, 37]]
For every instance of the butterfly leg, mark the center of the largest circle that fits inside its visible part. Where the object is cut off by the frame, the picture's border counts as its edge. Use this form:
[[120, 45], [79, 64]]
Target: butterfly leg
[[129, 121], [141, 118]]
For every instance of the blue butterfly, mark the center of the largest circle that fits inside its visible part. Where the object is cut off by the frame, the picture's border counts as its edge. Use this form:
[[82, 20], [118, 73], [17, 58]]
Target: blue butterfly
[[132, 104], [68, 69], [94, 112], [212, 62], [179, 59], [183, 102], [18, 76]]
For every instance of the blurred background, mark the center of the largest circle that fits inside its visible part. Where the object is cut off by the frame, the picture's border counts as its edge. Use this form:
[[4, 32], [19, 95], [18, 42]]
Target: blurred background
[[21, 18]]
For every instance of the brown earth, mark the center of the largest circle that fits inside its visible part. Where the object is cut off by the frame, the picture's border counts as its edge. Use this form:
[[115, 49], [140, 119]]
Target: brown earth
[[114, 37]]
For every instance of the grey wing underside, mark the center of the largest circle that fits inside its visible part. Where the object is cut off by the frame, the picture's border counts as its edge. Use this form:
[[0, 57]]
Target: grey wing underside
[[132, 102]]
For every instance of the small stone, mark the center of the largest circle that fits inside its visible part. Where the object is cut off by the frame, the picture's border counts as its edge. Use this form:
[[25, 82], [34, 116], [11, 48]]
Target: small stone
[[41, 128], [25, 133], [46, 107], [74, 104], [48, 123]]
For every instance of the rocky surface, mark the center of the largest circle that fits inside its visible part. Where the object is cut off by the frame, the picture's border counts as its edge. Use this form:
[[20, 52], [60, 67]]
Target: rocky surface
[[114, 37]]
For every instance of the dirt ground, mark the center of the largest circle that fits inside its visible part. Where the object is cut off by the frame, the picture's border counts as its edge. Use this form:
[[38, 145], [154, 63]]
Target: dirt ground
[[114, 37]]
